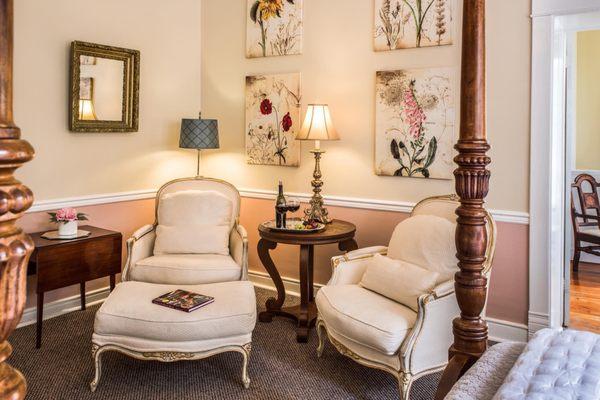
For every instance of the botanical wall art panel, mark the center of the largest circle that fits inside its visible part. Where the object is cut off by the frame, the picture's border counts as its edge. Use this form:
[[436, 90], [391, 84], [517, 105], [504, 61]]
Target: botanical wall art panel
[[273, 28], [415, 122], [403, 24], [273, 119]]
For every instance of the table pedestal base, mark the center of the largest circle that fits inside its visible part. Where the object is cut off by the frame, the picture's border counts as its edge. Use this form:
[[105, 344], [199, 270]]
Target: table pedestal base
[[305, 319]]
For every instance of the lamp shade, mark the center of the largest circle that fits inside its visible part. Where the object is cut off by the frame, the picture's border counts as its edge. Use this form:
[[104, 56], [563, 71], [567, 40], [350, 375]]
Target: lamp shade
[[199, 134], [86, 111], [318, 124]]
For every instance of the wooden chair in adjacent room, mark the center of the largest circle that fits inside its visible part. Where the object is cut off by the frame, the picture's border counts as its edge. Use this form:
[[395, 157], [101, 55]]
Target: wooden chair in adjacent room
[[585, 216]]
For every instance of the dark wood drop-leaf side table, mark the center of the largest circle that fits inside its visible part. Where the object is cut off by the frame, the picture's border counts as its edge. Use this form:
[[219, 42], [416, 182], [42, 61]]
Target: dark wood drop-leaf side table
[[62, 263], [340, 232]]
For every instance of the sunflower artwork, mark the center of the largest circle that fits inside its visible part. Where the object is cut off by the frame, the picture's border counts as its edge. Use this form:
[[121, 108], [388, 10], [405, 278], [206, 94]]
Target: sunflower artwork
[[272, 119], [274, 28], [415, 126]]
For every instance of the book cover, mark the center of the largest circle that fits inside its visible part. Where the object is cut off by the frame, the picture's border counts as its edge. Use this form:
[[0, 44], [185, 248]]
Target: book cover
[[183, 300]]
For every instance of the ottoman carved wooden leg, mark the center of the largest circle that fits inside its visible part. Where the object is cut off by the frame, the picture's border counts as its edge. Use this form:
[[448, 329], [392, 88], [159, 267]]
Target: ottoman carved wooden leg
[[169, 356]]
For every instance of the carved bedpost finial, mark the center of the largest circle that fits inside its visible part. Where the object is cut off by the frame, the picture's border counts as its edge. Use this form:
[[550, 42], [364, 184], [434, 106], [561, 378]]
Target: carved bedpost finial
[[15, 199], [472, 184]]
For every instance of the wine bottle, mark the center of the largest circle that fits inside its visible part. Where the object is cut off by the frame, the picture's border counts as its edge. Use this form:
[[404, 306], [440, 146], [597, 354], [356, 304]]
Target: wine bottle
[[280, 208]]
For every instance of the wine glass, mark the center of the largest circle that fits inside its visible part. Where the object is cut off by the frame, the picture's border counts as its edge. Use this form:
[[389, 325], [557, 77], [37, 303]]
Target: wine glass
[[292, 204]]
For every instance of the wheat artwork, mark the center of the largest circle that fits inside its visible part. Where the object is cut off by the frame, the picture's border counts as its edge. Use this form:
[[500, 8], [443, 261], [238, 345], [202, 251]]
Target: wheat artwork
[[405, 24]]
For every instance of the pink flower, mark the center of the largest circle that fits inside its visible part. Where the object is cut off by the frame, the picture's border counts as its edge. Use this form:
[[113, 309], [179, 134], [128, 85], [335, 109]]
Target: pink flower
[[66, 215], [415, 117]]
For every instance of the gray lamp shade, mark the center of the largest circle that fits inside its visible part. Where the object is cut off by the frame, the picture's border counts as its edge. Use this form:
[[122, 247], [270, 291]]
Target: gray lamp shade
[[199, 134]]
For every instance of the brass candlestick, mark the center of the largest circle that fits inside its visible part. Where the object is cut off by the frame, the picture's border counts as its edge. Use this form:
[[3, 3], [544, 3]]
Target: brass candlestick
[[317, 212]]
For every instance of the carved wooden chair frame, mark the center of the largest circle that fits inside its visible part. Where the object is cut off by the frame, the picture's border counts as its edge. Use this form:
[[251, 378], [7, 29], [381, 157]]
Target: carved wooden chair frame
[[587, 201]]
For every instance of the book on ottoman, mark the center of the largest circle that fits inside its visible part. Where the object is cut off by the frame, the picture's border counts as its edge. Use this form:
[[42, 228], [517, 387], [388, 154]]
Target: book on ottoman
[[183, 300]]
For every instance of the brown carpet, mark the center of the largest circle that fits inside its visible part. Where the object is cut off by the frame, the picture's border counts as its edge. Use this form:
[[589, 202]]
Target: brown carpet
[[280, 368]]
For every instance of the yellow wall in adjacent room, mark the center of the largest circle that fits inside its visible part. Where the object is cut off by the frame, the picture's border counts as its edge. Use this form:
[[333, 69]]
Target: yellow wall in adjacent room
[[78, 164], [588, 101], [338, 67]]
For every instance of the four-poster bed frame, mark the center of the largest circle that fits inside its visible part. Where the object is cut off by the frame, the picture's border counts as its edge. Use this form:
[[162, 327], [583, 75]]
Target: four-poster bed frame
[[472, 184], [15, 199], [472, 179]]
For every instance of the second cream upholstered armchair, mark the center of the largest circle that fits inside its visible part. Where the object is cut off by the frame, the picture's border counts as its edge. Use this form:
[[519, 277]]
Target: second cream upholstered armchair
[[381, 333], [196, 237]]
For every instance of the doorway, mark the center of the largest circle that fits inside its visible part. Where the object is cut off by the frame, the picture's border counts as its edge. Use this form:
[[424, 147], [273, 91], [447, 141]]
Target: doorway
[[582, 172]]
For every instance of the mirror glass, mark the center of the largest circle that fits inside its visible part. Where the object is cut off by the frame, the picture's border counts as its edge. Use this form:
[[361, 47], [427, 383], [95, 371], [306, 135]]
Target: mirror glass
[[100, 88]]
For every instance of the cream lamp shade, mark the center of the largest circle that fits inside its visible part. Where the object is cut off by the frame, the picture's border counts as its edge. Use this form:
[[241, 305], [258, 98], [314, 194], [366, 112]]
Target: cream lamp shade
[[317, 125], [86, 111]]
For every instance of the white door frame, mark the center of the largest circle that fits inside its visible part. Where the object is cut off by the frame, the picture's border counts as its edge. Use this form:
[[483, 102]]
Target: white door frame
[[552, 20]]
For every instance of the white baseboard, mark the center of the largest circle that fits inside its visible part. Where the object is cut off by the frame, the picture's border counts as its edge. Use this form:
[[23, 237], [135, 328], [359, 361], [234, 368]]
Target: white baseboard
[[499, 330], [63, 306], [537, 321], [506, 331], [264, 281]]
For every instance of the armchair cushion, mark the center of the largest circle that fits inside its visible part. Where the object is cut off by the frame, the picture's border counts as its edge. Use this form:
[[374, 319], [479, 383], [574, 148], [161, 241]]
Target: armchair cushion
[[364, 317], [427, 241], [398, 280], [190, 269], [193, 222]]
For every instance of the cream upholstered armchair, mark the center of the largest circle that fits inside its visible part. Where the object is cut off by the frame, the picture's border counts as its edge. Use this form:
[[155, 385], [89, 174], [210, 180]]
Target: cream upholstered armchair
[[195, 239], [381, 333]]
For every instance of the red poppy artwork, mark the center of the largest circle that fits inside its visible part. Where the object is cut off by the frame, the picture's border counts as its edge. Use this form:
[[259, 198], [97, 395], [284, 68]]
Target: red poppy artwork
[[415, 123], [272, 119]]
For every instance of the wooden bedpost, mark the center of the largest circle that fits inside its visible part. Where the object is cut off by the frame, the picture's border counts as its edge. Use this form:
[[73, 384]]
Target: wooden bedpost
[[472, 183], [15, 198]]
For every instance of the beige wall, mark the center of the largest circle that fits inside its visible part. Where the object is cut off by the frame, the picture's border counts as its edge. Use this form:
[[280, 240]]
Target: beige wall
[[338, 67], [69, 164], [588, 101]]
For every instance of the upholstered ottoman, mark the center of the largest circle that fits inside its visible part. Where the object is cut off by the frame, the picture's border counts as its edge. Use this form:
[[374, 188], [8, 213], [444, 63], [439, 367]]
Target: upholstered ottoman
[[128, 322]]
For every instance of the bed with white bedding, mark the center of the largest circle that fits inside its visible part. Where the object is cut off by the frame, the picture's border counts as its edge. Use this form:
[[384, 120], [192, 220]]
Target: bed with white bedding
[[555, 364]]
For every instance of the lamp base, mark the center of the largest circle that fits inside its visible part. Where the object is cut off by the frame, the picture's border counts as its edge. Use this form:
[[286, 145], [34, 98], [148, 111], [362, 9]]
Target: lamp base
[[317, 212]]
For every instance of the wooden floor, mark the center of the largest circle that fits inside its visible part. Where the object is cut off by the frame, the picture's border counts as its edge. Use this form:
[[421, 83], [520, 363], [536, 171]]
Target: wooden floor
[[585, 298]]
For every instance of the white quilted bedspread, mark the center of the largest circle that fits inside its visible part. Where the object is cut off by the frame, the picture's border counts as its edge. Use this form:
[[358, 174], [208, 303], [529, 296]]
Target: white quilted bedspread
[[556, 364]]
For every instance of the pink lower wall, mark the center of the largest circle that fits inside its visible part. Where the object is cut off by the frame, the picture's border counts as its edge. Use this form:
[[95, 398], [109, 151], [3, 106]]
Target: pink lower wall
[[508, 299]]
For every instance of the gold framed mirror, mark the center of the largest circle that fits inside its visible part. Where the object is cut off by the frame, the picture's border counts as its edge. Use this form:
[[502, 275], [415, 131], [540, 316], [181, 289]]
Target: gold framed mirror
[[104, 93]]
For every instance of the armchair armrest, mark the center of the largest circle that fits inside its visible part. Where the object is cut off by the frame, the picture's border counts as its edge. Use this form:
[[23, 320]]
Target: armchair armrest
[[367, 251], [349, 268], [426, 346], [443, 289], [139, 246], [238, 248]]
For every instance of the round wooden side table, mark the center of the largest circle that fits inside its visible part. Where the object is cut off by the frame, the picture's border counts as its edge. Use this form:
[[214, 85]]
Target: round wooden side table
[[340, 232]]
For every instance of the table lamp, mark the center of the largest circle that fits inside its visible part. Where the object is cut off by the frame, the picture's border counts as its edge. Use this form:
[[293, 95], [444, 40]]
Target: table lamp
[[199, 134], [317, 126]]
